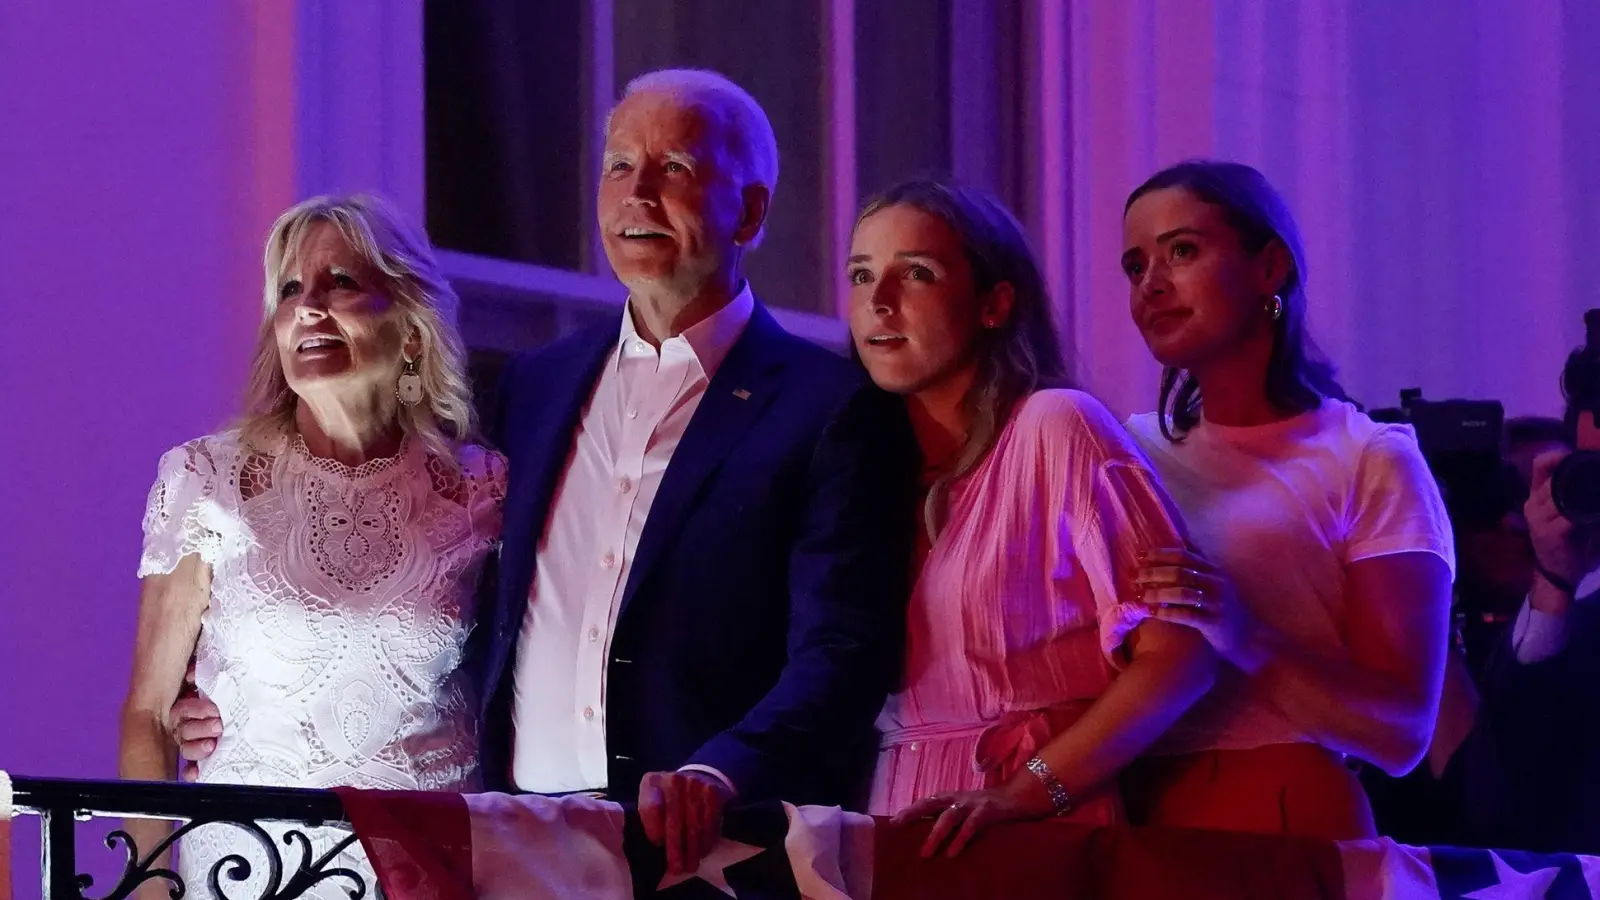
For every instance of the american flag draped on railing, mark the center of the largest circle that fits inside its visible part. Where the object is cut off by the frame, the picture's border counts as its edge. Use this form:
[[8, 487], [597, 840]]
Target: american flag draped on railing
[[498, 847]]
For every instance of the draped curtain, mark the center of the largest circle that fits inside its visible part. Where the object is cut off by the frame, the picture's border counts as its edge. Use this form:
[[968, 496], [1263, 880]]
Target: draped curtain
[[1439, 156], [1440, 159]]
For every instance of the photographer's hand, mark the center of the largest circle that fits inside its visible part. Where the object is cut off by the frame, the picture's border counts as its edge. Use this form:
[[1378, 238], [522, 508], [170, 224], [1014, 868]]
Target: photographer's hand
[[1564, 556]]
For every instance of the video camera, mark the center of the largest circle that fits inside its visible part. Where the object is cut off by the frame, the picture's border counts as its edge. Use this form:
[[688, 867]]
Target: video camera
[[1575, 484]]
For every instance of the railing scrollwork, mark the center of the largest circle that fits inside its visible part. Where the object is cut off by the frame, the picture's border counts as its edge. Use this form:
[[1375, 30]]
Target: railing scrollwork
[[293, 865]]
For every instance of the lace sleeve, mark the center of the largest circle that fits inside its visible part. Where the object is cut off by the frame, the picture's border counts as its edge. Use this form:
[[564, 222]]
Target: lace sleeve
[[182, 516]]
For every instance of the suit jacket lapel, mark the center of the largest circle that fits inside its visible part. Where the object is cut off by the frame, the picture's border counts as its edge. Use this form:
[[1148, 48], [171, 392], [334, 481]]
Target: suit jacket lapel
[[546, 446], [739, 392]]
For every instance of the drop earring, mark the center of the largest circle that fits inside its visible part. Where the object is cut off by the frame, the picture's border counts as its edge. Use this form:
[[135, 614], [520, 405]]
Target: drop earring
[[408, 388], [1275, 307]]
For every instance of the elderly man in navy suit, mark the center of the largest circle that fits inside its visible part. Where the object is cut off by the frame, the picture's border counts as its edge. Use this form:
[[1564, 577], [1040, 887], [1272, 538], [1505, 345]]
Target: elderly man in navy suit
[[701, 590]]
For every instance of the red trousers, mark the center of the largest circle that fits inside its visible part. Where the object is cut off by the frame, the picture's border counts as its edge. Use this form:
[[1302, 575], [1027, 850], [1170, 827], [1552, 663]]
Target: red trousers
[[1302, 790]]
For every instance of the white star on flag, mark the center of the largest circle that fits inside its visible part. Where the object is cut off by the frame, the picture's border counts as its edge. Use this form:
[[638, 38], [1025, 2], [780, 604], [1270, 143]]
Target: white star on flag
[[1515, 885], [726, 853]]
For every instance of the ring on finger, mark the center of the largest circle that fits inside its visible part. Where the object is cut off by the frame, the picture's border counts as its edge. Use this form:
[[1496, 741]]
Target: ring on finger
[[1190, 598]]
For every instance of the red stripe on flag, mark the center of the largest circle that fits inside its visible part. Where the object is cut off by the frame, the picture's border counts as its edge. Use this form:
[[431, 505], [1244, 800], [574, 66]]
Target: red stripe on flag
[[5, 856], [419, 842], [1032, 860]]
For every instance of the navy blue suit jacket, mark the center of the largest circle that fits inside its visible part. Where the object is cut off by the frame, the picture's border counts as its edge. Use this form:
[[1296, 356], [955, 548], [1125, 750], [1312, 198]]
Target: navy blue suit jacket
[[762, 621], [1532, 763]]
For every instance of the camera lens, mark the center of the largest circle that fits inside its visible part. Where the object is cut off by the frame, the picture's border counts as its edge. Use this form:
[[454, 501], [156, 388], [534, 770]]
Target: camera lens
[[1575, 486]]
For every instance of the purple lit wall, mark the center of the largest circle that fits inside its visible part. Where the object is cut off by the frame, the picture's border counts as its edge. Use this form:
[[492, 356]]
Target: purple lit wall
[[134, 204], [138, 176], [144, 151]]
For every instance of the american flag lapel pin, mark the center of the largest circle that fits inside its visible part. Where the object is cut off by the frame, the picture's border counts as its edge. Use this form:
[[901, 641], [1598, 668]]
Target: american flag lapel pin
[[742, 394]]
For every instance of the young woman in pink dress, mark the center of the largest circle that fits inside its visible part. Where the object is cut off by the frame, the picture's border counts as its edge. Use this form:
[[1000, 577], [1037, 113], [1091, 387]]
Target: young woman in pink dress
[[1033, 672]]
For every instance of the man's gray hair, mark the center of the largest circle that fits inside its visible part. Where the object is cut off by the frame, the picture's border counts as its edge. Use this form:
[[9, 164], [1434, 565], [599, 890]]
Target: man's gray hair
[[752, 146]]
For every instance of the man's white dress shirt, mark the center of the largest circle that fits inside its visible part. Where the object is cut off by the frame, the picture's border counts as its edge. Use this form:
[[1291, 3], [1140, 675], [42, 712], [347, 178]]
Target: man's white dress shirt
[[637, 414], [1537, 636]]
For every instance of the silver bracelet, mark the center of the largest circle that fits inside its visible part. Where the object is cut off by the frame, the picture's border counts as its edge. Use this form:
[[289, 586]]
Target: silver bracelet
[[1052, 785]]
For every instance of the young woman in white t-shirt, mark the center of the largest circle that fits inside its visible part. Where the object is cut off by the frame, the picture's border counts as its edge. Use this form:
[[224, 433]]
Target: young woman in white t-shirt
[[1321, 559]]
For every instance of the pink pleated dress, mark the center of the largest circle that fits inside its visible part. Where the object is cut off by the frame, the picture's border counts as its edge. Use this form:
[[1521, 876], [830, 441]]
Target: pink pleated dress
[[1022, 604]]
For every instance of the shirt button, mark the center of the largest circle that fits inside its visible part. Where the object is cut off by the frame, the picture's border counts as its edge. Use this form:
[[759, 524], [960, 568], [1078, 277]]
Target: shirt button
[[913, 746], [625, 484], [641, 346], [609, 560], [594, 634], [633, 413], [588, 713]]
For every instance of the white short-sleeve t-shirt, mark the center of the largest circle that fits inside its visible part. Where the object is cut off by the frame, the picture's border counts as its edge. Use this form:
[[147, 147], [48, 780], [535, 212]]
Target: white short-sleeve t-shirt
[[1283, 509]]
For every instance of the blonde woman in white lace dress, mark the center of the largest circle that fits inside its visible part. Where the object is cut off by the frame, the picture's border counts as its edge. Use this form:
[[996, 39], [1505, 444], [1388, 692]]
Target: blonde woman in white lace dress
[[318, 561]]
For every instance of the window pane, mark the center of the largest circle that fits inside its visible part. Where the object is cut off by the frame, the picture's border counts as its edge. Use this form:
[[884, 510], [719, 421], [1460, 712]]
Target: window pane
[[507, 129]]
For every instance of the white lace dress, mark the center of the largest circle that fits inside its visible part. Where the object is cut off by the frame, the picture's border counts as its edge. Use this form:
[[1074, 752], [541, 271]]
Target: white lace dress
[[340, 601]]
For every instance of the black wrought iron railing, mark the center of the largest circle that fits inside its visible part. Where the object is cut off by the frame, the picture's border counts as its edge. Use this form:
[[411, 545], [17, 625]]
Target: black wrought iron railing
[[292, 866]]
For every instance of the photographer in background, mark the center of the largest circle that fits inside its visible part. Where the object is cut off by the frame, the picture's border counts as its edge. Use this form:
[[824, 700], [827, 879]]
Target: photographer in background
[[1484, 472], [1496, 561], [1530, 774]]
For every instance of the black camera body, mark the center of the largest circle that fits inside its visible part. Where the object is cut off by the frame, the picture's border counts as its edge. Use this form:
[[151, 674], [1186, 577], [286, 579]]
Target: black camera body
[[1575, 485]]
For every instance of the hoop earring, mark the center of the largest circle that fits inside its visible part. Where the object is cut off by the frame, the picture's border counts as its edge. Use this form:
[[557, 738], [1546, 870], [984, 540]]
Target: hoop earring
[[1275, 308], [408, 388]]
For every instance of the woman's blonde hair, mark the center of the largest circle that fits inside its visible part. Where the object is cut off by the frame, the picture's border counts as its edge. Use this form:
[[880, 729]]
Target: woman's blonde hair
[[401, 254]]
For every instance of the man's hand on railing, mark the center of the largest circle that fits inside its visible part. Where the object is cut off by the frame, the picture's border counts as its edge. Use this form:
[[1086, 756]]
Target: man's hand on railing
[[195, 723], [682, 813]]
